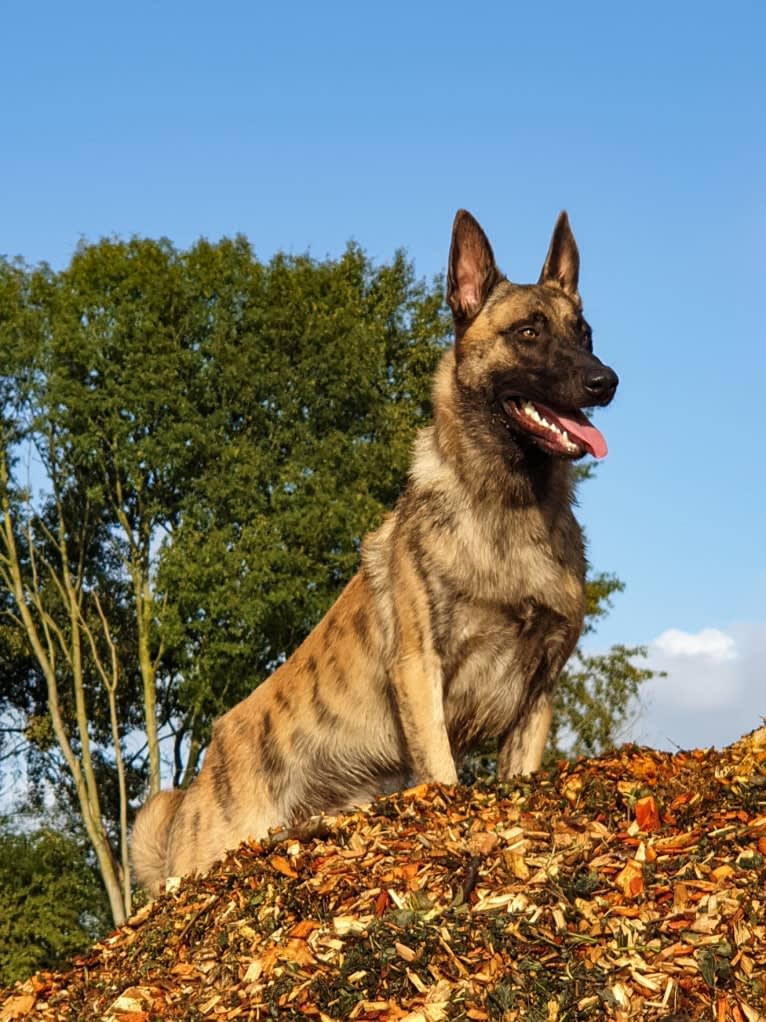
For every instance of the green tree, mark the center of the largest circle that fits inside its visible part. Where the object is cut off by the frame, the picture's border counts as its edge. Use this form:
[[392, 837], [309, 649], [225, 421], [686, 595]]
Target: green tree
[[598, 693], [93, 389], [212, 438], [51, 902]]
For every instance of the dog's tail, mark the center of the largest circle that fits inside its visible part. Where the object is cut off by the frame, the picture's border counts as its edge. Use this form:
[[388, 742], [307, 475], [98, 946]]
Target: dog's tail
[[149, 841]]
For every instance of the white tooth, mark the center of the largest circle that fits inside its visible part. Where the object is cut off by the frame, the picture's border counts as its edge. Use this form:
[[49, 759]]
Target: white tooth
[[534, 414]]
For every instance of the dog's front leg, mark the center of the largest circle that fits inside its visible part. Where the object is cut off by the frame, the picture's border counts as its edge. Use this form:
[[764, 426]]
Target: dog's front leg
[[418, 693], [416, 672], [520, 749]]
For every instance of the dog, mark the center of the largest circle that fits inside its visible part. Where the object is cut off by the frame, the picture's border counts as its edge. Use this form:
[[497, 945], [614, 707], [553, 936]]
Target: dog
[[469, 600]]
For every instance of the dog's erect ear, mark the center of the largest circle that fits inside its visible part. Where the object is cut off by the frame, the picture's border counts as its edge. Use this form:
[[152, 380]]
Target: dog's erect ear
[[562, 264], [472, 271]]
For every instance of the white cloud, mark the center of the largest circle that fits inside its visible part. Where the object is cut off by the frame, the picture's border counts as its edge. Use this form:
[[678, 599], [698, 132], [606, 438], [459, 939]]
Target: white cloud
[[710, 643], [702, 670], [714, 691]]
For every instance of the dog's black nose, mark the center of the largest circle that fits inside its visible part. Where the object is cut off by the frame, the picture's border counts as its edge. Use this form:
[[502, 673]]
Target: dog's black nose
[[601, 384]]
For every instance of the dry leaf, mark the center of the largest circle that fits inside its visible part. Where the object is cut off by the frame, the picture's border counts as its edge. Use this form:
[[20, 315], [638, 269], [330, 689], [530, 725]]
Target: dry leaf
[[551, 898]]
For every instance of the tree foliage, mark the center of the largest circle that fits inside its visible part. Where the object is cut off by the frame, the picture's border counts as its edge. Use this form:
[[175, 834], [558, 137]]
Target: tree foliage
[[52, 904], [598, 694], [209, 439], [193, 445]]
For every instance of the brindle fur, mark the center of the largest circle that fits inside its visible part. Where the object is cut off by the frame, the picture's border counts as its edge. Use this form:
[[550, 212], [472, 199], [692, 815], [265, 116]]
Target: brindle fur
[[468, 602]]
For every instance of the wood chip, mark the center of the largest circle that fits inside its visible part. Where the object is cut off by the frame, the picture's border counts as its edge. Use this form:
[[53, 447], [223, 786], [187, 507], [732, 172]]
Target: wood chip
[[631, 886]]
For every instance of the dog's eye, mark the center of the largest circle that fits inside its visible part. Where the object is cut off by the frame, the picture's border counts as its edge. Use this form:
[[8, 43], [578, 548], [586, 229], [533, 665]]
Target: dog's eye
[[529, 333]]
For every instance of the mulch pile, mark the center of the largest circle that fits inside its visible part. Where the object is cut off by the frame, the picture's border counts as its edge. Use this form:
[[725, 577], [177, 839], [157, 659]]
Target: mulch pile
[[632, 886]]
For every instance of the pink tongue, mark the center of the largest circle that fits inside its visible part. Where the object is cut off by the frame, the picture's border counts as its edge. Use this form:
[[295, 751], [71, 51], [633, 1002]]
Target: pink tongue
[[578, 427]]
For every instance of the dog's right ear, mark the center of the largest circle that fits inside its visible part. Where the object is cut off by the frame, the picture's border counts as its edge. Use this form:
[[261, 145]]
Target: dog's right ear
[[472, 271]]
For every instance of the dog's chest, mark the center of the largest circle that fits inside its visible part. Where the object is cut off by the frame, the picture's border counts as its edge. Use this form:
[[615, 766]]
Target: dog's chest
[[497, 660]]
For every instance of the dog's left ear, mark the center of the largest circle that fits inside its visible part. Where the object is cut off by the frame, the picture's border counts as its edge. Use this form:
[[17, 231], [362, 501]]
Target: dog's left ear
[[562, 264]]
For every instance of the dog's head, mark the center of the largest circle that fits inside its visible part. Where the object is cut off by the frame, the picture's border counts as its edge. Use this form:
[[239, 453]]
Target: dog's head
[[524, 351]]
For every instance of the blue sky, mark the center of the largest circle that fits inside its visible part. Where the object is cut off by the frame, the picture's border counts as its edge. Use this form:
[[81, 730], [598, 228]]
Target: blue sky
[[306, 125]]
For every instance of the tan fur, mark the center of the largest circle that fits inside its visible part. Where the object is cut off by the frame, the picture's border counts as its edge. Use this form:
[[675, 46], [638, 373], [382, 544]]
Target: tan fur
[[468, 603]]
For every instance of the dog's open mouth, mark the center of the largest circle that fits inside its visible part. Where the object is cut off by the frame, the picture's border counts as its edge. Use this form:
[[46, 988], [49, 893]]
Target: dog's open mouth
[[568, 434]]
